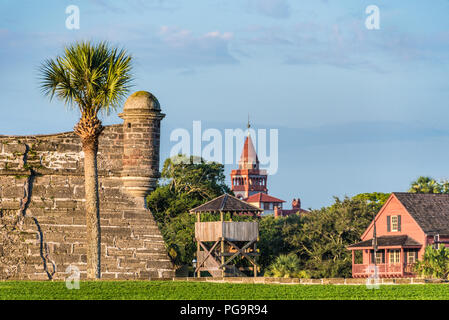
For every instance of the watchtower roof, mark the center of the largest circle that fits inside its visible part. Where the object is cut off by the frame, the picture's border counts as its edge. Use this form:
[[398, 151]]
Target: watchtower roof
[[226, 203]]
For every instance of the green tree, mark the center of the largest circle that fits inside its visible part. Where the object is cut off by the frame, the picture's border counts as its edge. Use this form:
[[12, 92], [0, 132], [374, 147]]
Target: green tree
[[325, 234], [178, 233], [274, 237], [194, 176], [94, 78], [375, 199], [186, 183], [434, 264], [427, 185]]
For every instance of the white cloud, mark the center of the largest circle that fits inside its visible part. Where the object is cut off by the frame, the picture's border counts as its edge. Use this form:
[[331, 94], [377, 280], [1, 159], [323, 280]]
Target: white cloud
[[175, 47], [347, 44]]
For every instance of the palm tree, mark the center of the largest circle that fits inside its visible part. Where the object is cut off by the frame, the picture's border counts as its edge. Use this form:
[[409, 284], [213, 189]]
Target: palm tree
[[92, 77], [425, 185]]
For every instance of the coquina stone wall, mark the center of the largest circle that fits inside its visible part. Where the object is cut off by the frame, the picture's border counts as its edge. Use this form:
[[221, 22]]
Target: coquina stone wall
[[42, 218]]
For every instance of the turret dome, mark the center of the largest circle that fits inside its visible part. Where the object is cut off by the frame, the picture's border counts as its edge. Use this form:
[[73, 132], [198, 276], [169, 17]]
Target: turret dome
[[143, 101]]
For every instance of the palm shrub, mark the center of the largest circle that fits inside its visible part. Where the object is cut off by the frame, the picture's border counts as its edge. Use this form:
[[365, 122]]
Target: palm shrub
[[434, 264], [92, 77], [286, 266]]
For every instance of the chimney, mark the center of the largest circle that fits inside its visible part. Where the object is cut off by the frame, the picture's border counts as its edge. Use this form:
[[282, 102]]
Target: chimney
[[296, 204], [277, 212]]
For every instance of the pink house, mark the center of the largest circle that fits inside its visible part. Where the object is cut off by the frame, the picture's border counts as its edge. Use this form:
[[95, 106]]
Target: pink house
[[405, 225]]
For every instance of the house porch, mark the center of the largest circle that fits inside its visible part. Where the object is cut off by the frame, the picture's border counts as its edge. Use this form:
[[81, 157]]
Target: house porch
[[395, 257]]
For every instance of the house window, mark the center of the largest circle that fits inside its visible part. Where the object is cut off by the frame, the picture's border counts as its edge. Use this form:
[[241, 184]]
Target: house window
[[411, 256], [380, 257], [394, 223], [395, 256], [266, 206], [436, 241]]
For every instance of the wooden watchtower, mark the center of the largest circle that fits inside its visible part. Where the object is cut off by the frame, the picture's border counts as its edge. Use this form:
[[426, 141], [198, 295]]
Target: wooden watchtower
[[220, 242]]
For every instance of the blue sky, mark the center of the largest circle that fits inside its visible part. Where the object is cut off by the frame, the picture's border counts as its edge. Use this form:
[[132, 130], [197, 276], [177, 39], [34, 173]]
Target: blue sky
[[357, 110]]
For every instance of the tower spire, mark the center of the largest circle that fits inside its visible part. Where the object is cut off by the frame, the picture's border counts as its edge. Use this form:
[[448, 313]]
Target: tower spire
[[248, 179]]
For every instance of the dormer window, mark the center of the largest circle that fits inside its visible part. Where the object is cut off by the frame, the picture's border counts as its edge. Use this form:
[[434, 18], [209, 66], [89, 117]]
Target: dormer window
[[394, 223]]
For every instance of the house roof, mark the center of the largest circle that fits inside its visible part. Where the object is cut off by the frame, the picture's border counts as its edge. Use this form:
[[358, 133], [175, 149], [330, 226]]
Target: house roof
[[262, 197], [430, 211], [226, 203], [388, 241]]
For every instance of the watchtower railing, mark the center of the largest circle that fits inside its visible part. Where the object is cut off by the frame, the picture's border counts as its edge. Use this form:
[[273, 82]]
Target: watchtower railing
[[229, 230]]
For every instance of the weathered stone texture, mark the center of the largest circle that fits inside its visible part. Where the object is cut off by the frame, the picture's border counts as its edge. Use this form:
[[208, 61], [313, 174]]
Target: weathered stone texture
[[42, 219]]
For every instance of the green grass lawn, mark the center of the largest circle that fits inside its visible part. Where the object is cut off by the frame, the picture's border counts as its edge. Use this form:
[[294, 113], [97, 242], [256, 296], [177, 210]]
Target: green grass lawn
[[168, 290]]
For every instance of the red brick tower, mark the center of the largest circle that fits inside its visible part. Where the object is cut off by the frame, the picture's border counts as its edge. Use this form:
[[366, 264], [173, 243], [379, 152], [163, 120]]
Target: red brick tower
[[248, 179]]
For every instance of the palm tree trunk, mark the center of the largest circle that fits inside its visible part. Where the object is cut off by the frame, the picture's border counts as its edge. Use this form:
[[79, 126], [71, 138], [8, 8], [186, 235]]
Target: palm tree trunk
[[92, 210], [89, 129]]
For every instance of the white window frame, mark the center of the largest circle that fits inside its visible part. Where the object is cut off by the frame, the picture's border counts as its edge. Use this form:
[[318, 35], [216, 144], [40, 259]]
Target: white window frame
[[395, 225], [378, 257], [394, 256], [411, 254]]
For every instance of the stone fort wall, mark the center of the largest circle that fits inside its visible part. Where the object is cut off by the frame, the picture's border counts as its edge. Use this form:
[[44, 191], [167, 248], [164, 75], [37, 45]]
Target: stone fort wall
[[42, 218]]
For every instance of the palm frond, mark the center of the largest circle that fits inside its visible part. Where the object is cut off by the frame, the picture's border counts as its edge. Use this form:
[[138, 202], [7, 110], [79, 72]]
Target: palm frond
[[94, 76]]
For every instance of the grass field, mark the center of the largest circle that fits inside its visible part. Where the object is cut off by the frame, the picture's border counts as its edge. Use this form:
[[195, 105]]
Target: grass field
[[168, 290]]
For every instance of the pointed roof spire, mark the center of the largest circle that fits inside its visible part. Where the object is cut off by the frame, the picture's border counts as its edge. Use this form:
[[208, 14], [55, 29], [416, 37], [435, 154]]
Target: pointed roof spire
[[248, 158]]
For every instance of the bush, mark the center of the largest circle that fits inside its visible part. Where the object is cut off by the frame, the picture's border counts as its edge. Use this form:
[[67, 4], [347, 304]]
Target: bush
[[435, 263], [286, 266]]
